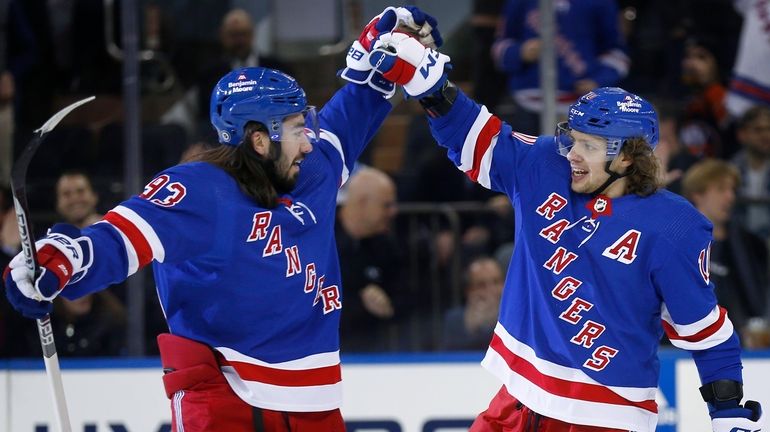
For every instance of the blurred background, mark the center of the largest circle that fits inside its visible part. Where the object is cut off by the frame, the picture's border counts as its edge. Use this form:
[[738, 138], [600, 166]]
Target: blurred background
[[423, 250]]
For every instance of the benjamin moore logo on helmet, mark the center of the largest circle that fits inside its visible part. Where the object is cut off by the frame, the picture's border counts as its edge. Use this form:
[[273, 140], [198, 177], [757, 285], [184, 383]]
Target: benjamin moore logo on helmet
[[629, 104], [242, 86]]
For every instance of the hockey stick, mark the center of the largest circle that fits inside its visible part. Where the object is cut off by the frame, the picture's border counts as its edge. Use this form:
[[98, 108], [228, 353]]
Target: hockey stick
[[19, 190]]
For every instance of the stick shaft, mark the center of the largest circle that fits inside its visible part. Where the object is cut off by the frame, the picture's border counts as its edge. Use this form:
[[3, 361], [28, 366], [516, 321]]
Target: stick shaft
[[51, 359]]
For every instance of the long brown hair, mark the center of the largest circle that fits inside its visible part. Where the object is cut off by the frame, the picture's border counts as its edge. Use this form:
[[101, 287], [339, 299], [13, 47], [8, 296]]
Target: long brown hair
[[643, 177], [243, 164]]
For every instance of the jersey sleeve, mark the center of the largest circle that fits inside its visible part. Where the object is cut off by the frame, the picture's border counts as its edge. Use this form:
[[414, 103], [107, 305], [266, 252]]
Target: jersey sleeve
[[485, 148], [692, 319], [348, 122], [172, 220]]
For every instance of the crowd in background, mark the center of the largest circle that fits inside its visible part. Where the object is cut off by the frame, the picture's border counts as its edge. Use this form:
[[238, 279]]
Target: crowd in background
[[424, 250]]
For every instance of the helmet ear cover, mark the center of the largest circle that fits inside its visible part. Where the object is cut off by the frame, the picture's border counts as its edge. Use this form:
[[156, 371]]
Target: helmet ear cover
[[613, 114], [262, 95]]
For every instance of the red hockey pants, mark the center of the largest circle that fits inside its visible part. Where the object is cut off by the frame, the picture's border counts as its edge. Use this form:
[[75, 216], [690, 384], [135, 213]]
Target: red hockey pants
[[506, 414], [202, 400]]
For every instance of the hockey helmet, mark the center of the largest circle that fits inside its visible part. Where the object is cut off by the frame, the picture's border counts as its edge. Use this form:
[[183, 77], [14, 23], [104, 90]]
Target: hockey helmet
[[261, 95], [613, 114]]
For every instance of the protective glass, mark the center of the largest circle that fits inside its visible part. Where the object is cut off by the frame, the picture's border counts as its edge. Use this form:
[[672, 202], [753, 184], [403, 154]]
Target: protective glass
[[293, 129], [588, 150]]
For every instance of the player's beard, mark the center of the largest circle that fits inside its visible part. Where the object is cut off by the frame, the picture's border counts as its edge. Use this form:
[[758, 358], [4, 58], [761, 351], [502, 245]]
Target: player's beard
[[278, 170]]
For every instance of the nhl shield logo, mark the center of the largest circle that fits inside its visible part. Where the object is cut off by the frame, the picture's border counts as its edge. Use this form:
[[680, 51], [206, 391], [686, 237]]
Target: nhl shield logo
[[601, 205]]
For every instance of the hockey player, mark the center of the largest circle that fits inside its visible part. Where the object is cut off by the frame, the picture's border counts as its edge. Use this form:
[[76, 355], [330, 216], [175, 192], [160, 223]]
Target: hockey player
[[242, 246], [604, 261]]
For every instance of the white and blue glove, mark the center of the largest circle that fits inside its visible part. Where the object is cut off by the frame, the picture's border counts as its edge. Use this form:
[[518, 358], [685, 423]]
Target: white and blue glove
[[723, 398], [63, 257], [732, 417], [404, 60], [403, 19]]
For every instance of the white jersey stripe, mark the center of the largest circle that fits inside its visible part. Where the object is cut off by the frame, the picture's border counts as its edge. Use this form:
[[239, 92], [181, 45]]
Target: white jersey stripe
[[469, 146], [570, 410], [280, 398], [486, 165], [705, 333], [178, 396], [158, 252], [335, 142], [685, 330], [698, 336], [551, 369], [310, 362]]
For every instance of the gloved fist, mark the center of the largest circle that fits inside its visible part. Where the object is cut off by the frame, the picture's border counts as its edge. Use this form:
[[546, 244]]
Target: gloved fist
[[732, 417], [404, 60], [63, 257], [411, 19], [420, 25]]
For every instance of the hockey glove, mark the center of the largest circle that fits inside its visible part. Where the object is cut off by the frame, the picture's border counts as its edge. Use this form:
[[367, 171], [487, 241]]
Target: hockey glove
[[404, 60], [734, 417], [63, 257], [411, 19]]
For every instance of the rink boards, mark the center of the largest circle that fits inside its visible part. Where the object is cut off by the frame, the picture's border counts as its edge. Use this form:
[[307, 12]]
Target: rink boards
[[383, 393]]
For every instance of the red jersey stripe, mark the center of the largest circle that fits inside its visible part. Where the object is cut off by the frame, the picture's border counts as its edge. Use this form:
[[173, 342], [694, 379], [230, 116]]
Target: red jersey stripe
[[134, 235], [748, 88], [562, 387], [286, 378], [701, 335], [483, 141]]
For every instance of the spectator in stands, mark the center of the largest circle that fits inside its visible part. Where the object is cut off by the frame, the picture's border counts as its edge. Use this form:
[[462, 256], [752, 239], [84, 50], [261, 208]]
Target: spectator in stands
[[470, 327], [588, 56], [76, 199], [738, 259], [236, 36], [704, 122], [487, 80], [371, 273], [753, 162], [673, 156], [93, 325]]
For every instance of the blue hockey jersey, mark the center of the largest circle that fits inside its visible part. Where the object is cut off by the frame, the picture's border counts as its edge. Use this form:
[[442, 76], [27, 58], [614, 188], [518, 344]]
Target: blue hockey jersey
[[261, 286], [588, 45], [593, 282]]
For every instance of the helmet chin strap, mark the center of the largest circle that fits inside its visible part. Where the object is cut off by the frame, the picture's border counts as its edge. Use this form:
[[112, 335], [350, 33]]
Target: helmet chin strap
[[613, 176]]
